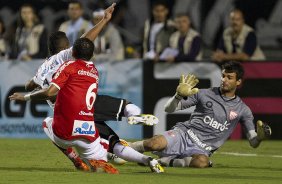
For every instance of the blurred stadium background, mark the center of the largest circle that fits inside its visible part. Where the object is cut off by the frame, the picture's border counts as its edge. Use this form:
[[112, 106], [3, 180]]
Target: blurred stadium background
[[144, 83], [27, 156]]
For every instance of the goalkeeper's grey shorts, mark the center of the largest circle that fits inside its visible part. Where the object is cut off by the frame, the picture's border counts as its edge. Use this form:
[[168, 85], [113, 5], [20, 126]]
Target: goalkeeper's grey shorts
[[179, 145]]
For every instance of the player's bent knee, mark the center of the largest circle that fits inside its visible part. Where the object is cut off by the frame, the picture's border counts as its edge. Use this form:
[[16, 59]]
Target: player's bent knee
[[156, 143], [199, 161]]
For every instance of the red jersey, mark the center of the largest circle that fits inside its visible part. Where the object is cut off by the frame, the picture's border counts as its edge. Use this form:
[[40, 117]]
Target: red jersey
[[74, 108]]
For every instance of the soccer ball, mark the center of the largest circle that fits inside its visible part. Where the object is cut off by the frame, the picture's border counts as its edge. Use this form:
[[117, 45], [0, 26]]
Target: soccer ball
[[115, 159]]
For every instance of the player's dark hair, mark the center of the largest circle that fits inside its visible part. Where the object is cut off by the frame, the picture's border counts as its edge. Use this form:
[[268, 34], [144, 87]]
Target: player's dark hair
[[233, 66], [83, 48], [54, 42]]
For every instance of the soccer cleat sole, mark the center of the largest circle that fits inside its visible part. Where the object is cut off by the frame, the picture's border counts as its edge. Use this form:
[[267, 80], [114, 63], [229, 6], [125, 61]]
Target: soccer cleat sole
[[145, 119]]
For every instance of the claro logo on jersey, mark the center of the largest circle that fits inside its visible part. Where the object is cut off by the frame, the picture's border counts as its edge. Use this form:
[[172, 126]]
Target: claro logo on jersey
[[83, 128], [216, 125]]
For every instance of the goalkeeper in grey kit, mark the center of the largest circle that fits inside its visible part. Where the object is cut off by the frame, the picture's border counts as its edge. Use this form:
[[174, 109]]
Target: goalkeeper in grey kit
[[218, 111]]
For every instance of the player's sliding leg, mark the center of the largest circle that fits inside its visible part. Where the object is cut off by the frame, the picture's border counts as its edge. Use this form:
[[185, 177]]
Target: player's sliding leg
[[69, 152], [102, 166], [160, 144], [263, 130], [111, 108], [130, 154], [74, 157], [122, 150], [114, 158], [94, 154], [156, 143], [134, 116], [196, 161]]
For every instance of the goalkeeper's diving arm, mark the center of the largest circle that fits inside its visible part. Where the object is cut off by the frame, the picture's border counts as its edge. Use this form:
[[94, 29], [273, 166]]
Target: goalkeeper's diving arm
[[253, 139], [263, 132], [173, 104], [184, 89]]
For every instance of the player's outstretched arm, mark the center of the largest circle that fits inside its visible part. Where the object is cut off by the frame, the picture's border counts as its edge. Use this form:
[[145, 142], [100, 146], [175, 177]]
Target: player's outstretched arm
[[43, 94], [186, 86], [31, 85], [263, 132], [93, 33], [184, 89]]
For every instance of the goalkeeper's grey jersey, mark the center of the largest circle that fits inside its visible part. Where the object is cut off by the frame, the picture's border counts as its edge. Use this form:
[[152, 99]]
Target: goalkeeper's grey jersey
[[214, 118]]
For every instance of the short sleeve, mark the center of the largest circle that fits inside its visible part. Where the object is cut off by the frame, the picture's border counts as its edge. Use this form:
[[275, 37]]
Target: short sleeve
[[37, 80], [65, 55], [41, 72], [61, 76]]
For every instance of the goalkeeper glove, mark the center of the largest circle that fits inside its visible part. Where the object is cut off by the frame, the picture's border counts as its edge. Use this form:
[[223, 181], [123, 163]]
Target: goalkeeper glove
[[263, 130], [186, 86]]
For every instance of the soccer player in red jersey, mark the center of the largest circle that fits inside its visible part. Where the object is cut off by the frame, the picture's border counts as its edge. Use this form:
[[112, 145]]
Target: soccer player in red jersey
[[106, 107], [75, 85]]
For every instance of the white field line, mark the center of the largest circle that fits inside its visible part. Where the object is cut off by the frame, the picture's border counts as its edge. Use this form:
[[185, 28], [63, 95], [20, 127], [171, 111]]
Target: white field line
[[248, 154]]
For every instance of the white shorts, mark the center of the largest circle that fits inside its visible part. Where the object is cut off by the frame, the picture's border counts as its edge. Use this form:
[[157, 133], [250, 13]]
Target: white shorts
[[86, 150]]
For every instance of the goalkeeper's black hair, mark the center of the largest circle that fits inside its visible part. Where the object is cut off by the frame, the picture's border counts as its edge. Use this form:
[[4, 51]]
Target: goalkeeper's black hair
[[234, 66], [54, 41]]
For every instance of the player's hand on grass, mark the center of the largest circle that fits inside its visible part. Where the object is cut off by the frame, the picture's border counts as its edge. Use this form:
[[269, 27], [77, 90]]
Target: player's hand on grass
[[186, 86], [17, 96], [263, 130], [109, 11]]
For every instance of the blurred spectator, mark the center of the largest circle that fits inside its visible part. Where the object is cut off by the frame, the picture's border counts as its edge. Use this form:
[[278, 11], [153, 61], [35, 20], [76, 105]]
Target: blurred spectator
[[31, 36], [108, 45], [3, 43], [120, 12], [238, 42], [186, 41], [76, 26], [157, 31]]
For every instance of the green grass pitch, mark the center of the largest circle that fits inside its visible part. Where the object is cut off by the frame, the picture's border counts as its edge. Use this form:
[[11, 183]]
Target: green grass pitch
[[29, 161]]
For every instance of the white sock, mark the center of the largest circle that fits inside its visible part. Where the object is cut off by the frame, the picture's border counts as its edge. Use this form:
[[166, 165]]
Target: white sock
[[138, 146], [131, 110], [129, 154]]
